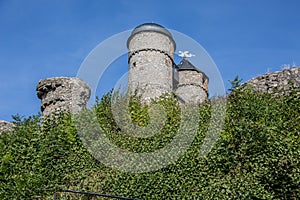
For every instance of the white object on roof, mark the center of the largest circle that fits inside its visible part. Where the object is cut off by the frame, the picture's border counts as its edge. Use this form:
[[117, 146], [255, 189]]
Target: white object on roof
[[185, 54]]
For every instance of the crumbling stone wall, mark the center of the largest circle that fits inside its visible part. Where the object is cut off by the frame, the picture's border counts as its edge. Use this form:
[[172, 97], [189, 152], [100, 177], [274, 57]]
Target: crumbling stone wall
[[6, 126], [280, 83], [62, 94]]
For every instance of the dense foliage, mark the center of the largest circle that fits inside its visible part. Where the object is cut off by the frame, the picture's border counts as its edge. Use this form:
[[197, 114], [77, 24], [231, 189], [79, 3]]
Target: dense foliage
[[256, 156]]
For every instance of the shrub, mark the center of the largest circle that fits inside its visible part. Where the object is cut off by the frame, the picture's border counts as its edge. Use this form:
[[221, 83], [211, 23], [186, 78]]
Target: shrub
[[256, 156]]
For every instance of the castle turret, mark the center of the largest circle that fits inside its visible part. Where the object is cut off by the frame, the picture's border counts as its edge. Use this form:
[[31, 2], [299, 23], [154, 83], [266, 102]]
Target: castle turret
[[150, 58], [192, 84], [61, 94]]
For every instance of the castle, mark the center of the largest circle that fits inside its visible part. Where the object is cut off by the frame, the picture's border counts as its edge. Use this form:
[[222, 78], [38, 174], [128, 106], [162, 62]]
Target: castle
[[152, 72]]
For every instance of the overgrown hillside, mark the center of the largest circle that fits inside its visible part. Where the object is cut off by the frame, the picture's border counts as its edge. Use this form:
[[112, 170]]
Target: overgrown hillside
[[256, 156]]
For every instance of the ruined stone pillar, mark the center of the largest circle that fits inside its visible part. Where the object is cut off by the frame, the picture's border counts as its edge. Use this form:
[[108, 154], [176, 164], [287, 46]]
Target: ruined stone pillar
[[62, 94]]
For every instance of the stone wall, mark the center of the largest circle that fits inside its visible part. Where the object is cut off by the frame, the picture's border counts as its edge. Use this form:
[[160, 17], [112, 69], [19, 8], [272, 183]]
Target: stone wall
[[150, 74], [281, 82], [6, 126], [150, 63], [150, 39], [192, 87], [62, 94]]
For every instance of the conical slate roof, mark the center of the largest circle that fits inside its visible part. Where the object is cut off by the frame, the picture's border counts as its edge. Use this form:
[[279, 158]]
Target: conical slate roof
[[187, 65]]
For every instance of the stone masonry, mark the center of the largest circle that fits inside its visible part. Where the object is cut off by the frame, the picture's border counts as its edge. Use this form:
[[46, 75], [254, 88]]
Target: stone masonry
[[192, 84], [62, 94], [152, 70], [281, 82], [150, 57], [6, 126]]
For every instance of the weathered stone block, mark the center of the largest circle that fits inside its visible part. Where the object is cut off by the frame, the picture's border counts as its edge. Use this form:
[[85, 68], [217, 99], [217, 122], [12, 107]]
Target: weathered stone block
[[62, 94], [280, 82], [6, 126]]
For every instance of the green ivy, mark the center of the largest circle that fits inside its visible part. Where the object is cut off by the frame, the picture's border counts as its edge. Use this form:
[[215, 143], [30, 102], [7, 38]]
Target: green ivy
[[256, 156]]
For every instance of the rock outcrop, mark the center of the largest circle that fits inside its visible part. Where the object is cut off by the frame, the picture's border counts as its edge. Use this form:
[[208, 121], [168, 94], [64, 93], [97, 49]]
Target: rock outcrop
[[6, 126], [277, 83]]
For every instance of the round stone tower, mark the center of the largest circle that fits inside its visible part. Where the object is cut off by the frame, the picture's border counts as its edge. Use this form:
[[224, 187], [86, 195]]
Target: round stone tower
[[192, 87], [150, 58], [62, 94]]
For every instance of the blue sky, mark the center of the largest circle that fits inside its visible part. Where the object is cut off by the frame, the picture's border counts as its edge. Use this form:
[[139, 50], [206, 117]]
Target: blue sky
[[41, 39]]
